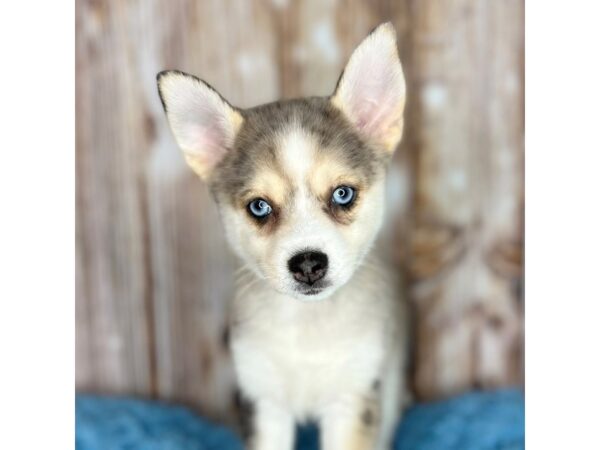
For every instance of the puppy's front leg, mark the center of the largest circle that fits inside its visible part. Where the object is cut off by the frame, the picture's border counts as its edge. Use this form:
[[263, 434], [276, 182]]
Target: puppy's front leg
[[352, 423], [272, 427]]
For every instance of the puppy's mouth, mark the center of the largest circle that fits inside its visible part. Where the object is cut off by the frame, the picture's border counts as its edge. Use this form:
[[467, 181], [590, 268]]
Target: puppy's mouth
[[312, 290]]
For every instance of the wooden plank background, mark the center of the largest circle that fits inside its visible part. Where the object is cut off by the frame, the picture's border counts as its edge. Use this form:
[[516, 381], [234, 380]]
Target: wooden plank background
[[153, 272]]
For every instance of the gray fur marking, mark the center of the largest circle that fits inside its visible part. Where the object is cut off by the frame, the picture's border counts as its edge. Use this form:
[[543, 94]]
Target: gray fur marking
[[255, 146]]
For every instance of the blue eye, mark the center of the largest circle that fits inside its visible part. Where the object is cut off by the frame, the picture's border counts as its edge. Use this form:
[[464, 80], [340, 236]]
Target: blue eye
[[259, 208], [343, 195]]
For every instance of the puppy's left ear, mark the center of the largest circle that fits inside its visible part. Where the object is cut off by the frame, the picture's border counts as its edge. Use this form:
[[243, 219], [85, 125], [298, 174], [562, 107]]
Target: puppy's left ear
[[203, 123], [371, 91]]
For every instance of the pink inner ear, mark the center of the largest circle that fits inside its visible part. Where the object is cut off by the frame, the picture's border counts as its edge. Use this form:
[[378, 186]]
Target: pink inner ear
[[211, 141], [374, 117], [202, 122], [206, 138], [373, 92]]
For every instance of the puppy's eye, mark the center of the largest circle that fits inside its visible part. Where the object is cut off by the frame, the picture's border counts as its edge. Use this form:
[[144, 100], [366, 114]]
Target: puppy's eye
[[343, 195], [259, 208]]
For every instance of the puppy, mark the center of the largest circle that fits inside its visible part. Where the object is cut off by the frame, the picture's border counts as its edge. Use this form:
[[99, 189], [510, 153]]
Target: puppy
[[318, 325]]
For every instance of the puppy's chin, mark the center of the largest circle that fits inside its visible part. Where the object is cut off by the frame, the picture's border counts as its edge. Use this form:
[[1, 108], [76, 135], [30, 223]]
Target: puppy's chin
[[320, 291], [313, 294]]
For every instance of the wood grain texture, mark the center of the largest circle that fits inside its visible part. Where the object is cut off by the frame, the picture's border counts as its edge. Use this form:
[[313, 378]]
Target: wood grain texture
[[463, 252], [153, 272]]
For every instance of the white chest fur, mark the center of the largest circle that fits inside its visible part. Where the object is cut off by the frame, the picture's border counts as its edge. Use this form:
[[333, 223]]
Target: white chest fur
[[304, 354]]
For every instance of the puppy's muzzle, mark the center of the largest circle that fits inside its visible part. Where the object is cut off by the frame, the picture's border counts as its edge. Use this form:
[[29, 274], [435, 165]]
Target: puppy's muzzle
[[308, 267]]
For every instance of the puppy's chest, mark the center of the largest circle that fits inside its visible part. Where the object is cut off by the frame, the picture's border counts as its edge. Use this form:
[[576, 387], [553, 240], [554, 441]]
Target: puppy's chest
[[305, 355]]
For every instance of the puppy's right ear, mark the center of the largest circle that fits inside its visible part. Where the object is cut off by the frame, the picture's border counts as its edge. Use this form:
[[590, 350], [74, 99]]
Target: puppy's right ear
[[203, 123], [371, 91]]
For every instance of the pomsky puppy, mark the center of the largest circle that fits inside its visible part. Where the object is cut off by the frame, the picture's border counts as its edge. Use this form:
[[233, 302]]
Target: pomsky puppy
[[317, 325]]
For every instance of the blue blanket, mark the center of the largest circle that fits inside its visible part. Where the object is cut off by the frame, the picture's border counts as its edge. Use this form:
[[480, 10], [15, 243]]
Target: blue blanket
[[474, 421]]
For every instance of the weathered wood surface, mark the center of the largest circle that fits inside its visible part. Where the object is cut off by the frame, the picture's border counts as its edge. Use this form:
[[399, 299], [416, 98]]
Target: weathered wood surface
[[465, 247], [153, 273]]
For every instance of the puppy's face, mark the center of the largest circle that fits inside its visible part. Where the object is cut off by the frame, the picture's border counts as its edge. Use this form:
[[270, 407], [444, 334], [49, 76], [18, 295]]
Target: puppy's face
[[301, 195], [299, 183]]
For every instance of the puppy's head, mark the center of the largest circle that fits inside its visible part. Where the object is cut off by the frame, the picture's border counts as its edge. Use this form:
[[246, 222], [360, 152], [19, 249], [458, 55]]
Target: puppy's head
[[299, 183]]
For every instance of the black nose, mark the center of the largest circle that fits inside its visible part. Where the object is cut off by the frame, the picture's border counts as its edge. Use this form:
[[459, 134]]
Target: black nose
[[308, 267]]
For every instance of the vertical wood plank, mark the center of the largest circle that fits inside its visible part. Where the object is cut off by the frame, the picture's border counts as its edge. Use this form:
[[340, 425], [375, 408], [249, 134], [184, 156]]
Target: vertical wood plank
[[113, 339], [464, 247]]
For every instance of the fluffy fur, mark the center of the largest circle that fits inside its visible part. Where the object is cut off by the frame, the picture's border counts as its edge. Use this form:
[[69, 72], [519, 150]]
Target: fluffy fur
[[333, 349]]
